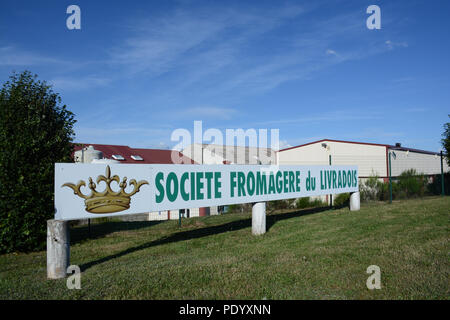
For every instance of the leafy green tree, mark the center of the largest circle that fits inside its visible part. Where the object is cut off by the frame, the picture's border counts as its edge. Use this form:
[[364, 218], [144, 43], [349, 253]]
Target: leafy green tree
[[35, 132], [446, 141]]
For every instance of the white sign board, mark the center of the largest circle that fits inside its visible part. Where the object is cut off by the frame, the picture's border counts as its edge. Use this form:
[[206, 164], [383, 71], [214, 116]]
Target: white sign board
[[97, 190]]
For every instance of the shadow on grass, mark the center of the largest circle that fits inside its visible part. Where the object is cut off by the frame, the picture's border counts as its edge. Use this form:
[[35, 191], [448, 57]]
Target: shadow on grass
[[204, 232], [99, 230]]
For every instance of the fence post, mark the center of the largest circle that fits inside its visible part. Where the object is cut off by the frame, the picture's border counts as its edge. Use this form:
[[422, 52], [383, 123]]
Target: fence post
[[331, 195], [58, 248], [390, 179], [442, 175], [258, 218], [355, 201]]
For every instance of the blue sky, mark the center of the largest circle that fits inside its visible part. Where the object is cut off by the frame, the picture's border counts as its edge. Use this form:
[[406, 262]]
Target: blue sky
[[137, 70]]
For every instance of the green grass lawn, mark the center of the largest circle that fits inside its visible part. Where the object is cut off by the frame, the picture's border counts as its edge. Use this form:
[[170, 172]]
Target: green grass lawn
[[307, 254]]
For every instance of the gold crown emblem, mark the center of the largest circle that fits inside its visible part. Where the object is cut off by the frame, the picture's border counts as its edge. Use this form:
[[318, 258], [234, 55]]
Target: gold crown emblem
[[107, 201]]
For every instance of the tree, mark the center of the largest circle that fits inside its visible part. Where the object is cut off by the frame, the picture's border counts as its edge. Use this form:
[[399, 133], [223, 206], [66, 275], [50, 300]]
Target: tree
[[446, 141], [35, 132]]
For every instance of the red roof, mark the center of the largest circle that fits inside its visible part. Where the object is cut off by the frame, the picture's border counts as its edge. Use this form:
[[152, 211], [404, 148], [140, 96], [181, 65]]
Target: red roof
[[149, 155]]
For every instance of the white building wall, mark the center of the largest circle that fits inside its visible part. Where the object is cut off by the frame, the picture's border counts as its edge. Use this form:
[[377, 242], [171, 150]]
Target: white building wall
[[370, 159], [158, 215], [217, 154], [194, 152], [211, 156], [174, 214], [423, 163]]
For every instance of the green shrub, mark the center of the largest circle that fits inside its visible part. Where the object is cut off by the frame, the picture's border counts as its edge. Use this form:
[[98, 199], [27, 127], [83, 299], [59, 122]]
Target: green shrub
[[316, 203], [446, 141], [302, 203], [371, 189], [306, 202], [435, 186], [410, 184], [240, 208], [342, 200], [234, 208], [35, 132]]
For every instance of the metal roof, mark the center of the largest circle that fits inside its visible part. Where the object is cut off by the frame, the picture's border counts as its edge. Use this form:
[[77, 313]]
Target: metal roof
[[393, 147]]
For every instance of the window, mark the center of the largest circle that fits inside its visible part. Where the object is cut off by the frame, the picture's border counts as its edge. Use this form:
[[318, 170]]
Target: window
[[137, 158], [117, 157]]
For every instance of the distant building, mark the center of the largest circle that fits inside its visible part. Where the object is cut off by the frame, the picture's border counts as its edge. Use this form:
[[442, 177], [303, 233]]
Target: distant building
[[220, 154], [372, 159], [125, 154], [104, 153]]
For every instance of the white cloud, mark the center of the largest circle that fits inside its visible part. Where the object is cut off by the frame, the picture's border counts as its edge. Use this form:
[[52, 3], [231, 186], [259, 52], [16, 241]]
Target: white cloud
[[157, 45], [331, 52], [121, 135], [12, 56], [195, 43], [79, 83], [341, 115], [205, 112], [284, 144], [391, 45]]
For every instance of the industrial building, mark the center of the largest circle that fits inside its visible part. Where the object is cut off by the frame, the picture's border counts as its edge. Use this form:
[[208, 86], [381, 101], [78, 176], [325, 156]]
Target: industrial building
[[372, 159]]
